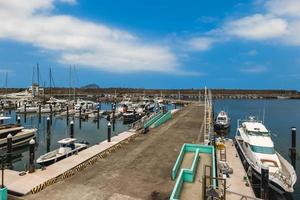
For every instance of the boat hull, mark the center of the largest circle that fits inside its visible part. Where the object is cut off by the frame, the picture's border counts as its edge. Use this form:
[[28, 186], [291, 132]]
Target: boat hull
[[254, 172], [56, 159]]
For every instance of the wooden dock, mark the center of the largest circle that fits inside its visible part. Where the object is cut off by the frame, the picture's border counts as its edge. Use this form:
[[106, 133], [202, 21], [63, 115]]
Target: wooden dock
[[236, 184]]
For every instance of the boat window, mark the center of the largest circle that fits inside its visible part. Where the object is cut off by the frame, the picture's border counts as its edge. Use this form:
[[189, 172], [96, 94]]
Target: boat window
[[221, 118], [263, 150]]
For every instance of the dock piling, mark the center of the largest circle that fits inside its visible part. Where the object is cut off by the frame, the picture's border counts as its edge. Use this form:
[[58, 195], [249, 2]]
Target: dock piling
[[9, 151], [98, 117], [48, 134], [67, 115], [40, 113], [72, 129], [18, 119], [80, 117], [109, 132], [293, 151], [264, 188], [31, 155]]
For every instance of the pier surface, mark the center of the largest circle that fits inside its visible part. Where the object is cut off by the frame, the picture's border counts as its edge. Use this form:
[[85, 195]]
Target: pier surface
[[236, 185], [140, 170]]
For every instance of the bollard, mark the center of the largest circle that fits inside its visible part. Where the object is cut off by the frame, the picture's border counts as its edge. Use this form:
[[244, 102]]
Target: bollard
[[80, 117], [40, 113], [31, 155], [9, 150], [264, 188], [72, 129], [48, 134], [67, 114], [98, 117], [19, 120], [109, 132], [293, 151]]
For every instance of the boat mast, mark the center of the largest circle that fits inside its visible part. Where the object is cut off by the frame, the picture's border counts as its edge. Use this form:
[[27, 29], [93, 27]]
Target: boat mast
[[38, 79], [69, 84], [6, 79], [50, 79]]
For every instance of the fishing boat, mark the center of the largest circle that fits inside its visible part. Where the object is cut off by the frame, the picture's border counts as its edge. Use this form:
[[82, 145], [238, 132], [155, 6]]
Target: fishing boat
[[67, 148], [20, 135], [254, 143], [222, 121]]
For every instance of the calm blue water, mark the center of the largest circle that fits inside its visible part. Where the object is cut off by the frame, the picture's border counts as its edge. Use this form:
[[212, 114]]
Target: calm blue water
[[88, 132], [280, 116]]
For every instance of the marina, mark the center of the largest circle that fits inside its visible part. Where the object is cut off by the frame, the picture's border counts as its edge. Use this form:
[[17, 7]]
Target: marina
[[149, 100], [217, 167]]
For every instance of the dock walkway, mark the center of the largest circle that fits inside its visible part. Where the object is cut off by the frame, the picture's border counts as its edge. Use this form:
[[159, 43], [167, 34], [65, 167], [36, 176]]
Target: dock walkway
[[236, 185], [22, 185], [140, 170]]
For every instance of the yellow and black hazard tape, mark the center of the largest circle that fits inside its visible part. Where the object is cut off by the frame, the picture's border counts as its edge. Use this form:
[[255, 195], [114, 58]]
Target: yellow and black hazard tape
[[83, 165]]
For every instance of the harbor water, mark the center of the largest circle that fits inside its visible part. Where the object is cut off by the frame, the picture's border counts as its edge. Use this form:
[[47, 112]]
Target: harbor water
[[278, 115], [87, 132]]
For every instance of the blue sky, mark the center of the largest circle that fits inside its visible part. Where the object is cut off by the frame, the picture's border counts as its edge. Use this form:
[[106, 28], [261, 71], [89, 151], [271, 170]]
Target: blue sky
[[153, 43]]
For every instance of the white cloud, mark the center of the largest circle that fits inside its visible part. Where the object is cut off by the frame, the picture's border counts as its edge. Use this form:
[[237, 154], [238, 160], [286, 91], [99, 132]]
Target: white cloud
[[252, 53], [200, 43], [284, 7], [255, 69], [257, 27], [81, 42]]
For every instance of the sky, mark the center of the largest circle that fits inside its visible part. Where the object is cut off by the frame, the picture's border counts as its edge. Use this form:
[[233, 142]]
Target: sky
[[249, 44]]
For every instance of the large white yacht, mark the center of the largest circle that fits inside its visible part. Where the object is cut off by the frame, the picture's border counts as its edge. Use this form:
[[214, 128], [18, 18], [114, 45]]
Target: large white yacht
[[254, 141]]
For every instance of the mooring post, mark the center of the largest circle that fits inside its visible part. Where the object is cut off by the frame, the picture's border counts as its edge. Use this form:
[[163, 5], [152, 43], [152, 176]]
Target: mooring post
[[293, 147], [264, 188], [108, 132], [31, 155], [40, 113], [98, 117], [80, 117], [19, 120], [48, 134], [67, 114], [72, 129], [25, 113], [9, 150]]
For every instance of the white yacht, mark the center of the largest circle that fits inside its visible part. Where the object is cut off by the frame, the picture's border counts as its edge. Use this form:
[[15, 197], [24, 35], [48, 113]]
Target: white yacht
[[255, 144], [222, 121], [67, 148]]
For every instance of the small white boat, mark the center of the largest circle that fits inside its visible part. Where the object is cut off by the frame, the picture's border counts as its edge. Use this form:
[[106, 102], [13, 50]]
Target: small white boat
[[222, 121], [254, 142], [29, 109], [67, 148]]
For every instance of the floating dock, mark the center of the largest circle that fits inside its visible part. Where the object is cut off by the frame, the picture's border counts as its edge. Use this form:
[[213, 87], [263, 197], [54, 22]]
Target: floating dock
[[237, 183], [40, 179]]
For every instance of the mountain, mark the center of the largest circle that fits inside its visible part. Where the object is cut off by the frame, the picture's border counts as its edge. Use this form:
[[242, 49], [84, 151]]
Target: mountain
[[90, 86]]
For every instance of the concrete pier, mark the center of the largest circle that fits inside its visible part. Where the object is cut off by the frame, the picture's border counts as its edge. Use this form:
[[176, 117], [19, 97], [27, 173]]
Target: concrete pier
[[140, 170]]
